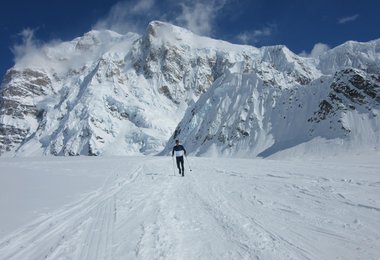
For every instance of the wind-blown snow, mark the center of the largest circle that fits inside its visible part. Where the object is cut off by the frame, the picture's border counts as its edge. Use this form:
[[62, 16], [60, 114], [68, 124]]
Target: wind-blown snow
[[140, 208]]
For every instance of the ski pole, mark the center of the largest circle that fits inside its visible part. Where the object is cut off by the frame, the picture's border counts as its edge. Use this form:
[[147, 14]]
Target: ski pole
[[173, 166], [188, 163]]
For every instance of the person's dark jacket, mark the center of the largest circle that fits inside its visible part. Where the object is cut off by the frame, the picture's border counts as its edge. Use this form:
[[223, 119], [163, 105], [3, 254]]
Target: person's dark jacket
[[178, 150]]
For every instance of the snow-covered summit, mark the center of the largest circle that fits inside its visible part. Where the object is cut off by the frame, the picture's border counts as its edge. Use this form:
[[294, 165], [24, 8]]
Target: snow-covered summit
[[107, 93], [360, 55], [166, 33]]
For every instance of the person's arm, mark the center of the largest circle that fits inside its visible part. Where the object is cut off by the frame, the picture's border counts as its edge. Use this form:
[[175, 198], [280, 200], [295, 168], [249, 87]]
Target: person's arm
[[184, 150], [173, 152]]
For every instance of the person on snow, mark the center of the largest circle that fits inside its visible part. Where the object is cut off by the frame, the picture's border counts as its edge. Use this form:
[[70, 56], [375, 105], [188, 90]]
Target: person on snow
[[179, 152]]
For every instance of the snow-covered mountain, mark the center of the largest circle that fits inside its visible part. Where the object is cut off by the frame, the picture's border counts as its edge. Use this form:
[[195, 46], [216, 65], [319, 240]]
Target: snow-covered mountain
[[279, 104], [106, 93]]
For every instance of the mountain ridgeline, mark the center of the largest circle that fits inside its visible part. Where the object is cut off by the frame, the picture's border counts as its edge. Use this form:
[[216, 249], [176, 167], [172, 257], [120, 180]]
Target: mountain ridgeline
[[111, 94]]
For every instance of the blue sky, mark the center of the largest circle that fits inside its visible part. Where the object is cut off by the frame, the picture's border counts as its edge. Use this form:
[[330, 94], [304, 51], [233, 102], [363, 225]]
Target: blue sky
[[303, 26]]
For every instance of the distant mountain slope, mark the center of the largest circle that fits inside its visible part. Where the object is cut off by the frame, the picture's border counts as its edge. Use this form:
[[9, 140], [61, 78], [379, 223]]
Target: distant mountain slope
[[106, 93], [248, 113]]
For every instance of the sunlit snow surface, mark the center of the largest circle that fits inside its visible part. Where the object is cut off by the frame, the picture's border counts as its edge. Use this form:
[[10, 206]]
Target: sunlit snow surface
[[140, 208], [110, 94]]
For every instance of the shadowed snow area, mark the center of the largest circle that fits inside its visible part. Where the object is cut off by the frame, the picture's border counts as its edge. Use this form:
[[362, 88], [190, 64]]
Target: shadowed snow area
[[140, 208]]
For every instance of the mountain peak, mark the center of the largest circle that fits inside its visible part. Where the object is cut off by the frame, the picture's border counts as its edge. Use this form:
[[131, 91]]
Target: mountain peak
[[168, 33], [158, 27], [95, 38], [106, 93], [165, 33]]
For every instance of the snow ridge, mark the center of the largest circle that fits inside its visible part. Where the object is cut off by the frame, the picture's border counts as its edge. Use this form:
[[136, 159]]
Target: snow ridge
[[111, 94]]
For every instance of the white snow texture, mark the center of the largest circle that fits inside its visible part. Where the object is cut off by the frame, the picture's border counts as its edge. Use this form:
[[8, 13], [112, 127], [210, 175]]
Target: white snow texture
[[111, 94], [141, 208]]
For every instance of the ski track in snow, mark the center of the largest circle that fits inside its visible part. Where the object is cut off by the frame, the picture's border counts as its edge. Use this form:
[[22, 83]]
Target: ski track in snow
[[223, 209]]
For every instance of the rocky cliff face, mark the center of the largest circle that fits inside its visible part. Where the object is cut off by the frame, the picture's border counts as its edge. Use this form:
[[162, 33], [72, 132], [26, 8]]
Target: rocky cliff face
[[18, 98], [106, 93]]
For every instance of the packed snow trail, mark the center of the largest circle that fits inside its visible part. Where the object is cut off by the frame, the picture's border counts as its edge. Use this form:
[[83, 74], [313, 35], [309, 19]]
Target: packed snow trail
[[223, 209]]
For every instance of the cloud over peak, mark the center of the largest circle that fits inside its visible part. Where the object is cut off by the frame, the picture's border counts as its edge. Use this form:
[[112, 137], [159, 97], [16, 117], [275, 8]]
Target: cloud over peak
[[318, 50], [256, 36], [126, 16], [197, 16], [28, 44], [348, 19]]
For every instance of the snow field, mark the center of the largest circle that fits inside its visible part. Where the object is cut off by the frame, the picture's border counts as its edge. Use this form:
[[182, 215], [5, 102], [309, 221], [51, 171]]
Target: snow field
[[139, 208]]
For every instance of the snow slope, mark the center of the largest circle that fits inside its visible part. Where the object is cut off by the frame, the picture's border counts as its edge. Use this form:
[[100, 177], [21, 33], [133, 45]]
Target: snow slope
[[139, 208], [111, 94], [241, 115]]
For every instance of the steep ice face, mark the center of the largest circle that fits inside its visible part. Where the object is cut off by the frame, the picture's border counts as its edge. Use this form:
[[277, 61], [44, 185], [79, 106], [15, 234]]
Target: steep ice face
[[241, 116], [106, 93]]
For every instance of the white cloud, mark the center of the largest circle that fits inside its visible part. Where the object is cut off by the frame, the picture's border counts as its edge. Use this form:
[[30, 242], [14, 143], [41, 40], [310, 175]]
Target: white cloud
[[348, 19], [255, 35], [127, 16], [30, 52], [318, 50], [198, 16], [143, 6], [28, 44]]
